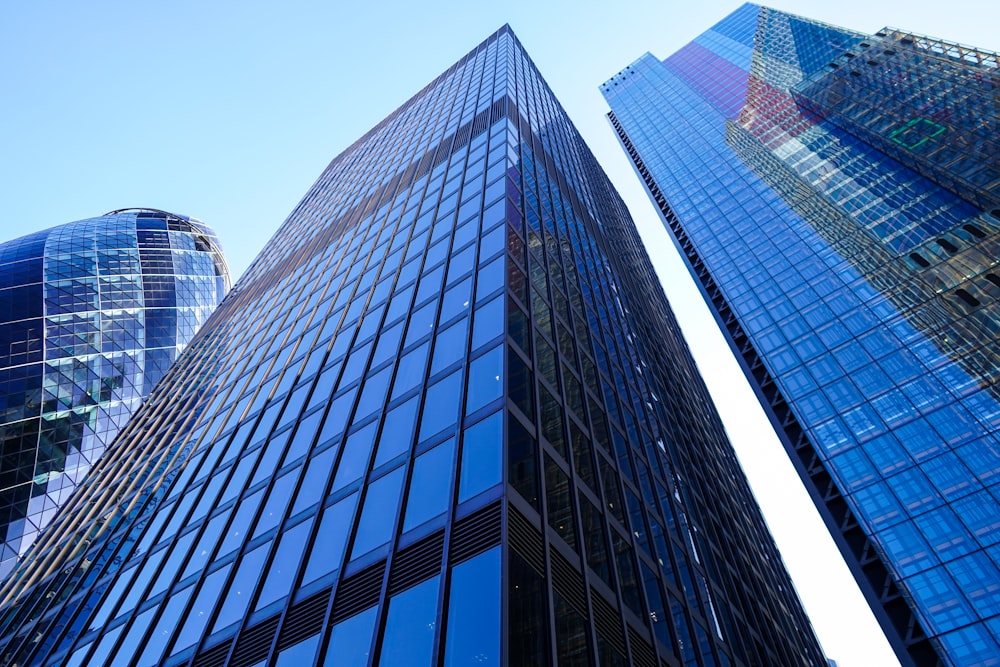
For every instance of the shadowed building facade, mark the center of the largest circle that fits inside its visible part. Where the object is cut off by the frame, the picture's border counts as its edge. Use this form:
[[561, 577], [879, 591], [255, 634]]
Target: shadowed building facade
[[92, 314], [835, 195], [445, 418]]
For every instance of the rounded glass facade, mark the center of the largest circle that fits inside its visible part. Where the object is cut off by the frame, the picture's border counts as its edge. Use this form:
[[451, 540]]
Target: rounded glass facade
[[92, 314]]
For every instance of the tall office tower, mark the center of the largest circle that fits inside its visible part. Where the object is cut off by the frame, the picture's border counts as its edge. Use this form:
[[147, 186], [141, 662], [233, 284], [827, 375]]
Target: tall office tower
[[92, 314], [837, 197], [445, 418]]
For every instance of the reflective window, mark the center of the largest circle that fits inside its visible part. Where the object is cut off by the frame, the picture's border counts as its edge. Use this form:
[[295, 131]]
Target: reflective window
[[430, 485], [241, 589], [354, 461], [559, 501], [378, 514], [201, 610], [410, 371], [172, 614], [331, 538], [397, 431], [313, 485], [299, 654], [284, 564], [485, 380], [529, 621], [571, 635], [350, 640], [522, 466], [482, 457], [449, 346], [441, 405], [472, 636], [488, 322], [240, 525], [408, 638], [277, 500]]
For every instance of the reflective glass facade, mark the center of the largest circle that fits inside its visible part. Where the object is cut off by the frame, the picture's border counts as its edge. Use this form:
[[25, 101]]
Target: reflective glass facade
[[446, 418], [92, 314], [834, 194]]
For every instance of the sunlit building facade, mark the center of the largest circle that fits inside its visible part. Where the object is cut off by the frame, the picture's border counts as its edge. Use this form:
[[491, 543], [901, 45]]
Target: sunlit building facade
[[837, 197], [92, 314], [446, 417]]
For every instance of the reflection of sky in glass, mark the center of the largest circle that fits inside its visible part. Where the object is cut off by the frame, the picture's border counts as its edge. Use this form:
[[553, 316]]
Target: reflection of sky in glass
[[93, 314], [811, 234]]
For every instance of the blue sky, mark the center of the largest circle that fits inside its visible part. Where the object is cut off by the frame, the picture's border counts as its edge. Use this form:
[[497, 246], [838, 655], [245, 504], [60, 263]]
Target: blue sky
[[228, 111]]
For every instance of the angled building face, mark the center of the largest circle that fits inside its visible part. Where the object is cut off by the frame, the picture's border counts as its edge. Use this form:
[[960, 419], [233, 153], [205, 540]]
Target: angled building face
[[835, 194], [446, 417], [92, 314]]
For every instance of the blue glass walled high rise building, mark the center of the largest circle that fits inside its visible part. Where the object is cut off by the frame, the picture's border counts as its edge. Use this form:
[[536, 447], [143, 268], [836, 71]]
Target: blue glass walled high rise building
[[835, 194], [445, 418], [92, 314]]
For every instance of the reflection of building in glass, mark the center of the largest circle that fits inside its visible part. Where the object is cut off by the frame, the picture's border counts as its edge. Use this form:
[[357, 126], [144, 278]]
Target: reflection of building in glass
[[445, 418], [834, 194], [92, 314]]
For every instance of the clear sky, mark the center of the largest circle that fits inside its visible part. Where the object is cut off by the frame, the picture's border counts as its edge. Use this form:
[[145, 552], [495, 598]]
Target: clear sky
[[228, 111]]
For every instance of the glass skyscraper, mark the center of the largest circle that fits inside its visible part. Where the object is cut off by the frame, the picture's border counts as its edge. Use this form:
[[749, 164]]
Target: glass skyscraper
[[835, 194], [445, 418], [92, 314]]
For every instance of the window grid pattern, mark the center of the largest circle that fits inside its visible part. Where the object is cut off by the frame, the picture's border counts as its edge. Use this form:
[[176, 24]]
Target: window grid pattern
[[92, 313], [858, 294], [436, 391]]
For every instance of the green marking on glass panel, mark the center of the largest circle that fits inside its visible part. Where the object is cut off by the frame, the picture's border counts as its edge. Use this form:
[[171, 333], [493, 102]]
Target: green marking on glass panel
[[916, 132]]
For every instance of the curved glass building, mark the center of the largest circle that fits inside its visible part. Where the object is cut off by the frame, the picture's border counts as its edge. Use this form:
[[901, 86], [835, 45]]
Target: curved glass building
[[92, 314]]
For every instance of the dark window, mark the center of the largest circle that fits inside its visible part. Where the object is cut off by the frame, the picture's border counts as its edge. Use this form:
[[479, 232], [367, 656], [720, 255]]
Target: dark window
[[528, 617], [947, 245], [966, 297], [975, 231], [559, 501], [522, 466]]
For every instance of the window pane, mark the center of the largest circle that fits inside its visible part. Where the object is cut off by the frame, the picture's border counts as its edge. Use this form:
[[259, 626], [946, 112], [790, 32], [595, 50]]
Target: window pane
[[298, 655], [354, 460], [571, 635], [197, 618], [350, 640], [485, 380], [430, 487], [397, 432], [285, 563], [410, 370], [559, 501], [529, 622], [409, 629], [331, 538], [313, 484], [449, 346], [473, 632], [379, 514], [242, 588], [441, 405], [488, 322], [152, 653], [482, 457], [277, 500]]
